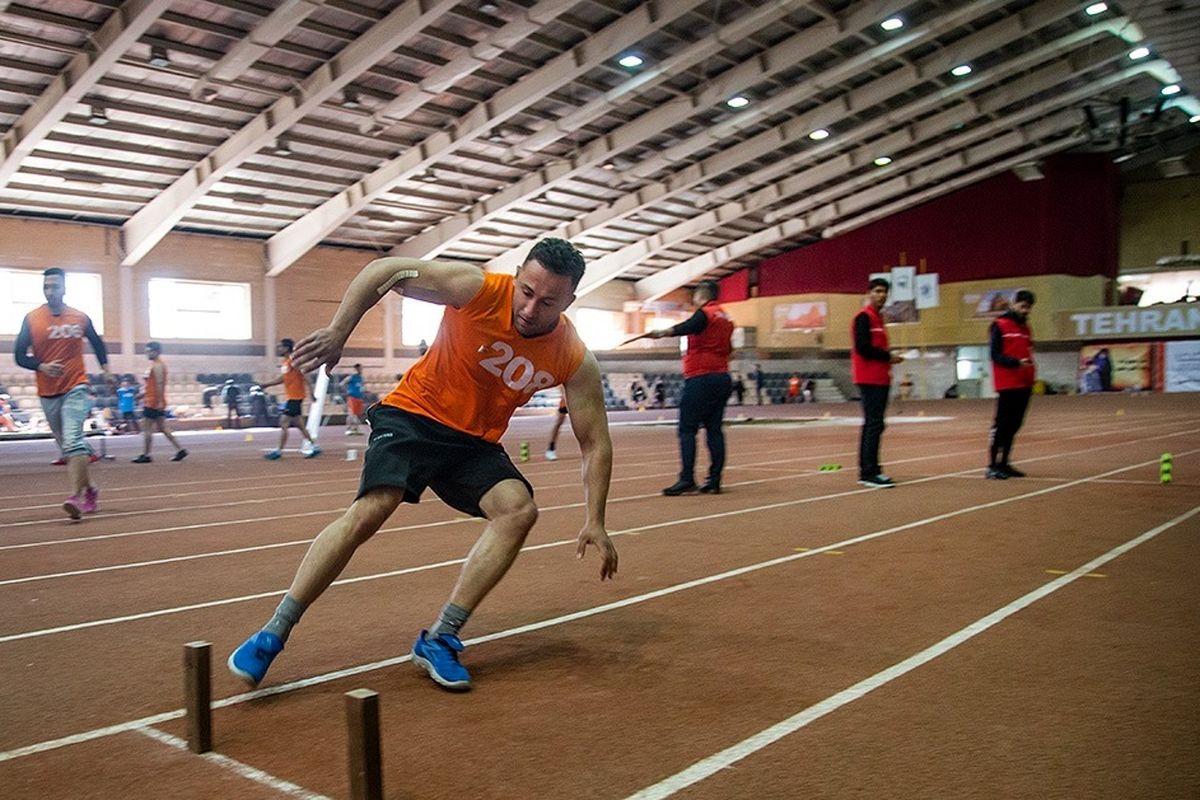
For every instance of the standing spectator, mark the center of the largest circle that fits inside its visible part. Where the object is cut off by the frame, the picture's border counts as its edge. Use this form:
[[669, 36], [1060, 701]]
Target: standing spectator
[[154, 406], [258, 407], [739, 388], [637, 393], [353, 386], [230, 394], [1013, 374], [706, 387], [808, 391], [127, 405], [660, 394], [295, 386], [793, 395], [757, 375], [7, 423], [1104, 368], [55, 333], [422, 347], [871, 366]]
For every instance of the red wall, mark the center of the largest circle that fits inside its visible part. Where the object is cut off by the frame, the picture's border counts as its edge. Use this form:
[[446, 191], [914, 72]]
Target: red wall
[[1000, 227]]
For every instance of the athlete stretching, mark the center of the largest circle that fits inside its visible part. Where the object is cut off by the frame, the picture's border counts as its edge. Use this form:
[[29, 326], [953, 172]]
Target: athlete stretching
[[501, 339]]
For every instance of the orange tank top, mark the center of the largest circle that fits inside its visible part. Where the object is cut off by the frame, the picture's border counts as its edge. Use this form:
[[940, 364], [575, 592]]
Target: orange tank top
[[59, 338], [293, 380], [479, 369], [156, 392]]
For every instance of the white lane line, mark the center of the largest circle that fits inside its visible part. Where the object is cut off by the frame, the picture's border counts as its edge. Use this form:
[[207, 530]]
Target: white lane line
[[110, 730], [731, 755], [565, 542], [244, 770]]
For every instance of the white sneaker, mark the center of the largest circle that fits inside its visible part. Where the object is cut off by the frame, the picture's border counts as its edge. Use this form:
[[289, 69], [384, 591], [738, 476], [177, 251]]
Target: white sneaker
[[551, 455]]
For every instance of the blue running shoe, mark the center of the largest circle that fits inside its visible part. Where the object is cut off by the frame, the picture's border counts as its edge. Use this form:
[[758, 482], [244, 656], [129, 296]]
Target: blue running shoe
[[250, 661], [274, 455], [316, 451], [439, 657]]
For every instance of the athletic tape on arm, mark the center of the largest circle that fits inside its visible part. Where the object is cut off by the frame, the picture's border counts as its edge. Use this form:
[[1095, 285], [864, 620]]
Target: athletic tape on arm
[[392, 281]]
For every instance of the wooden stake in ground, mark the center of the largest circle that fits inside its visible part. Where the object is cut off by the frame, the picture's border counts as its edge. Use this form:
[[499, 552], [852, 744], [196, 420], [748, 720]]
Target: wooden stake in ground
[[362, 745], [197, 693]]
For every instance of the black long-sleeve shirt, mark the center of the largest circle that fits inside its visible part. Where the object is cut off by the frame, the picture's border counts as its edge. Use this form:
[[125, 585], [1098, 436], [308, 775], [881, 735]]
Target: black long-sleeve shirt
[[25, 339], [862, 340], [692, 325], [996, 344]]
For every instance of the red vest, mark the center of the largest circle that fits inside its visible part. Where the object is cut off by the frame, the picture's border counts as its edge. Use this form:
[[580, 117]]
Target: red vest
[[708, 351], [865, 370], [1018, 344]]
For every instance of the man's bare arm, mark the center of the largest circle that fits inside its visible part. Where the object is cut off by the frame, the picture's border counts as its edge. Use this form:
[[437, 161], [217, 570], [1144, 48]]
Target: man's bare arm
[[589, 422]]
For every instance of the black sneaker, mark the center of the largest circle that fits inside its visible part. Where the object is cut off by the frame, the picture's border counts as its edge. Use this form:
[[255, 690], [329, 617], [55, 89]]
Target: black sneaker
[[1012, 471], [180, 455], [996, 474], [710, 487], [877, 482], [143, 459], [679, 487]]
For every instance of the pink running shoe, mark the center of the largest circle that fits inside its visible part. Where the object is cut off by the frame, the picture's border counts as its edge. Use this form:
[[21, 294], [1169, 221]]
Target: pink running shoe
[[91, 500], [73, 507]]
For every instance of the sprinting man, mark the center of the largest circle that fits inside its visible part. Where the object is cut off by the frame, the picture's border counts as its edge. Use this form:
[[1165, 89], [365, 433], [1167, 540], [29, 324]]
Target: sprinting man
[[502, 338], [295, 387], [353, 387], [559, 418], [55, 333], [154, 406]]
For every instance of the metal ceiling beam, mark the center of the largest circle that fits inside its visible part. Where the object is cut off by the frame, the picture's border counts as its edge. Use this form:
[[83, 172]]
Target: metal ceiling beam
[[496, 43], [701, 265], [288, 14], [871, 186], [111, 40], [285, 247], [853, 102], [782, 56], [146, 228]]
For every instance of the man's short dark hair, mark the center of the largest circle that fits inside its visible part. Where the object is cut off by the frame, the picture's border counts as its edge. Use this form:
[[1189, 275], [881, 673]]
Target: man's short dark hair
[[155, 346], [1024, 296], [879, 282], [288, 344], [358, 366], [560, 257], [710, 289], [54, 271]]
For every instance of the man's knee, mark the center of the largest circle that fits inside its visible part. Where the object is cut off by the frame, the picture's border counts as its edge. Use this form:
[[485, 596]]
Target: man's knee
[[368, 513]]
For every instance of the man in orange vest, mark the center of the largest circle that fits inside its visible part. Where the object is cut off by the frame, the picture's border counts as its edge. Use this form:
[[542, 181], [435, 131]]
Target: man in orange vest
[[295, 387], [502, 338], [706, 387], [55, 333], [154, 406], [1013, 374], [871, 369]]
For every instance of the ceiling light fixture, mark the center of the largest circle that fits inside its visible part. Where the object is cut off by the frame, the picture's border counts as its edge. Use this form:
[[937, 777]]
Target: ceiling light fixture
[[892, 24], [159, 56], [1138, 53], [488, 8], [961, 70], [631, 60], [883, 161], [98, 115], [281, 147], [1096, 8], [350, 99], [1194, 119], [738, 101], [819, 134], [1171, 88]]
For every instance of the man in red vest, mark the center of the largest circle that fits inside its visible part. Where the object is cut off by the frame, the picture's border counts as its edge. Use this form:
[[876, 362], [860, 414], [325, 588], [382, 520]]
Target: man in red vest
[[706, 387], [871, 368], [1013, 373]]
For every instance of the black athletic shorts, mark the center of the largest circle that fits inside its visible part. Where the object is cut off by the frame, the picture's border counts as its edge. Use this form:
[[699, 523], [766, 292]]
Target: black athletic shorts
[[292, 408], [415, 452], [153, 413]]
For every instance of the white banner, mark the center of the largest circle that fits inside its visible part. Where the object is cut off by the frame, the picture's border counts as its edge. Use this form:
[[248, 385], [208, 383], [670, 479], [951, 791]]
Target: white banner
[[318, 406], [904, 281], [1181, 367], [928, 295]]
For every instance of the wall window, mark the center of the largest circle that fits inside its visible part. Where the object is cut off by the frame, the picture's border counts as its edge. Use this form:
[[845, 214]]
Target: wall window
[[199, 309], [419, 320], [600, 329], [21, 292]]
